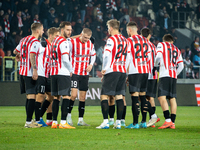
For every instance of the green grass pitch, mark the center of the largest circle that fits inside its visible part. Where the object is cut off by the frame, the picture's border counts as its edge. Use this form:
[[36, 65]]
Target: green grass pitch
[[13, 135]]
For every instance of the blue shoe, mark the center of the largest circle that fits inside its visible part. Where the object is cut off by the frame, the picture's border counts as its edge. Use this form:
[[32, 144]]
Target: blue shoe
[[103, 126], [123, 123], [42, 123], [143, 125], [131, 126]]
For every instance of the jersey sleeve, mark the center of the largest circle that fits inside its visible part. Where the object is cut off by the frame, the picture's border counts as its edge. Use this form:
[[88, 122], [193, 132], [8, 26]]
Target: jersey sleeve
[[35, 47], [93, 55], [159, 48], [109, 46], [70, 44], [180, 59], [18, 48], [64, 47]]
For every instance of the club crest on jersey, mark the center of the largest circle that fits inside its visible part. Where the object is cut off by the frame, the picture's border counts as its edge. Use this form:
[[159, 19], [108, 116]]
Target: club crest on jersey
[[108, 45]]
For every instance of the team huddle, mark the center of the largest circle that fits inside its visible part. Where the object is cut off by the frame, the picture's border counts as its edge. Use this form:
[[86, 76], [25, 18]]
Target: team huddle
[[59, 67]]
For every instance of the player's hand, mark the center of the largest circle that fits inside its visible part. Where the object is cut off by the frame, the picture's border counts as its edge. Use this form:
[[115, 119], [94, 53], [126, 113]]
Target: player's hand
[[89, 68], [101, 78], [154, 70], [43, 42], [70, 74], [35, 74], [103, 72], [127, 83], [17, 57]]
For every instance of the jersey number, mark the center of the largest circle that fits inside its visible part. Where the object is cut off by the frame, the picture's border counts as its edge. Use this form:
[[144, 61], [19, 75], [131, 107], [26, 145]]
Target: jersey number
[[173, 55], [145, 46], [121, 50], [24, 51], [54, 53]]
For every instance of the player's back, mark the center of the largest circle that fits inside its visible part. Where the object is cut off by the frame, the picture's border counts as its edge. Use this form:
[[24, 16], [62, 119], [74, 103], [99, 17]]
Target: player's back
[[59, 47], [25, 48], [118, 46], [139, 55], [171, 56]]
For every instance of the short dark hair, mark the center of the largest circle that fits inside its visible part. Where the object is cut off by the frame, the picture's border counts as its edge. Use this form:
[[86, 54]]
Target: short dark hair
[[35, 26], [145, 32], [168, 38], [131, 24], [63, 24]]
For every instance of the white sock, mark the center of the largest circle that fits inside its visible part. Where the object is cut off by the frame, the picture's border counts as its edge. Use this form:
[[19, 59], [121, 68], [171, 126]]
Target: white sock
[[49, 121], [63, 121], [28, 122], [111, 119], [168, 120], [80, 119], [56, 122], [69, 115], [118, 121], [154, 116], [123, 120], [40, 117], [105, 121]]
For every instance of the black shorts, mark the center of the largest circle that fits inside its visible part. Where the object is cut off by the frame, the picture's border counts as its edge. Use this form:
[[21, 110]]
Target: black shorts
[[138, 82], [30, 85], [152, 88], [22, 84], [113, 84], [167, 87], [60, 85], [80, 82], [43, 85]]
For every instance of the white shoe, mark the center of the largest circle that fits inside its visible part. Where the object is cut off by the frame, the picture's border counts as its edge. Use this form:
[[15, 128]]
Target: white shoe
[[151, 122], [69, 120], [117, 126], [82, 123], [103, 126]]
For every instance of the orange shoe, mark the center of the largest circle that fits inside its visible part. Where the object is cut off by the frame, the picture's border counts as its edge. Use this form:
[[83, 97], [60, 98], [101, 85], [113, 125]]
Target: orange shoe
[[166, 125], [54, 126], [153, 126], [65, 126], [158, 120], [172, 126]]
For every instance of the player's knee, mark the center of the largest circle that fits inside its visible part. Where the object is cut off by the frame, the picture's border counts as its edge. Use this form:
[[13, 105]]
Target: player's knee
[[73, 96]]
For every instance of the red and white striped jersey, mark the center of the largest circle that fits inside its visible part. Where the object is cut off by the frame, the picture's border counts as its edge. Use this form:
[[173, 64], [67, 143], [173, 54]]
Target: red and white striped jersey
[[26, 46], [169, 56], [80, 54], [152, 61], [116, 54], [140, 55], [59, 48], [43, 60]]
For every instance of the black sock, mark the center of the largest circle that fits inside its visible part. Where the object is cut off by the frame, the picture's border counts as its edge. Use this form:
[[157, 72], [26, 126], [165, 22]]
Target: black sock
[[111, 111], [144, 108], [173, 117], [55, 109], [120, 108], [124, 113], [64, 110], [26, 105], [37, 111], [49, 116], [44, 107], [71, 105], [166, 114], [104, 108], [150, 109], [154, 108], [135, 109], [81, 108], [30, 109]]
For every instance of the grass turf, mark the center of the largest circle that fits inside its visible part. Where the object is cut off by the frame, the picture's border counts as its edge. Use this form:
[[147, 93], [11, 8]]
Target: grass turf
[[186, 136]]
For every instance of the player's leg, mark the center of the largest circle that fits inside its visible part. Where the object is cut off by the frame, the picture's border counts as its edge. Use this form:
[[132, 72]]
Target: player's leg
[[173, 107], [111, 103], [49, 116], [83, 87], [64, 90], [30, 85], [74, 94], [124, 113]]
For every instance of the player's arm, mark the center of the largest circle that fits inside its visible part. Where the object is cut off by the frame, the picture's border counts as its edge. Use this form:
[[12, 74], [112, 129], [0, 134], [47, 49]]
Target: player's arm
[[34, 49], [65, 50], [106, 55], [158, 57], [17, 52], [75, 36], [128, 57], [180, 64], [92, 60]]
